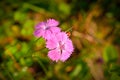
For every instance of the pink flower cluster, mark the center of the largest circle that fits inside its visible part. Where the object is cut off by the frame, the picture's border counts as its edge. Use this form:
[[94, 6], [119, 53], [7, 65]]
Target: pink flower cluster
[[59, 45]]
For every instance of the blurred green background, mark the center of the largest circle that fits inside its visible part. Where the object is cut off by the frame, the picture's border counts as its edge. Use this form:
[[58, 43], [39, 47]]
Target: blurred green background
[[95, 31]]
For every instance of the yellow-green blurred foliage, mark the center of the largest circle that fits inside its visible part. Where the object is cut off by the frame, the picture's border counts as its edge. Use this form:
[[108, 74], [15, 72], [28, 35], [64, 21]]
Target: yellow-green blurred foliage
[[95, 32]]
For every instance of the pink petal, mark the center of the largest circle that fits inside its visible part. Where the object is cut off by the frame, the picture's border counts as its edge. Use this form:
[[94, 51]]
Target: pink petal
[[52, 22], [51, 44], [65, 55], [69, 46], [47, 34], [55, 29], [54, 55], [40, 25], [62, 36], [38, 33]]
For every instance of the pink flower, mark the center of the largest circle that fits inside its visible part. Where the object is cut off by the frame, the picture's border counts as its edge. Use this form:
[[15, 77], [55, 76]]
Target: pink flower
[[45, 29], [60, 46]]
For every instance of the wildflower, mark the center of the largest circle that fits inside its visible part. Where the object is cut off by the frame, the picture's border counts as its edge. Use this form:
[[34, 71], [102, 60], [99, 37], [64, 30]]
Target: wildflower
[[45, 29], [60, 46]]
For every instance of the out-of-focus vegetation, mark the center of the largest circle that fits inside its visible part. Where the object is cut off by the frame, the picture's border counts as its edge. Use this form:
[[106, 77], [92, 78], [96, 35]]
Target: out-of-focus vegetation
[[95, 32]]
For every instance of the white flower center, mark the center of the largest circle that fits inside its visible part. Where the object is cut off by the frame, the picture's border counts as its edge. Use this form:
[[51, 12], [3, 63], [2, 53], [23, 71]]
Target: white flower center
[[44, 27]]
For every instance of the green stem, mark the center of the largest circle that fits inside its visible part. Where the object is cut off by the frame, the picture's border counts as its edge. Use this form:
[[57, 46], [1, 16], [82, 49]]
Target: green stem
[[41, 64], [34, 8], [69, 29], [26, 54], [43, 67], [8, 73]]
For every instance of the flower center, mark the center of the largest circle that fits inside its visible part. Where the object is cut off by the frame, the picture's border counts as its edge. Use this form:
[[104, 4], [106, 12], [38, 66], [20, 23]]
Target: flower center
[[61, 46], [45, 27]]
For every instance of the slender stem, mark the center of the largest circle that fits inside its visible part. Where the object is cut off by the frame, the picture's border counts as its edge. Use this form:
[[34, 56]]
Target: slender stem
[[31, 47], [41, 64], [8, 72], [69, 29], [35, 8], [43, 67]]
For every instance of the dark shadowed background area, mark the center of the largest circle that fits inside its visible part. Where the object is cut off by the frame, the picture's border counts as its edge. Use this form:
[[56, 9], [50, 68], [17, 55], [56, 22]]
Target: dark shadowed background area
[[94, 27]]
